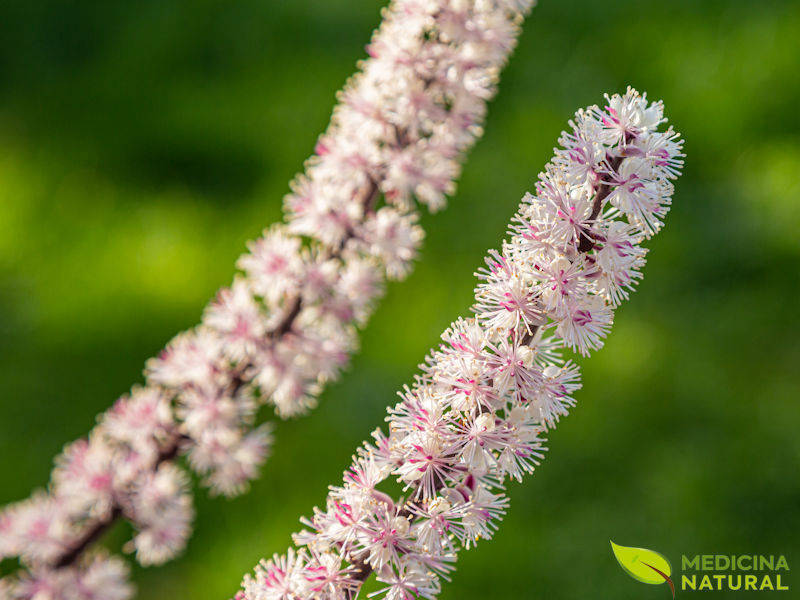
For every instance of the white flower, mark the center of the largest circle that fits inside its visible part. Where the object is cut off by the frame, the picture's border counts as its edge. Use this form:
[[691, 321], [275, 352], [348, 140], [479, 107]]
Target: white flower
[[37, 529], [83, 479], [162, 509], [272, 264], [384, 537], [104, 578], [393, 237], [407, 581], [192, 358], [280, 578], [586, 324], [139, 420]]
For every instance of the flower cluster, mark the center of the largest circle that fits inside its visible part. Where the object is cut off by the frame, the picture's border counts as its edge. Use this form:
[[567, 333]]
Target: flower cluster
[[288, 323], [477, 413]]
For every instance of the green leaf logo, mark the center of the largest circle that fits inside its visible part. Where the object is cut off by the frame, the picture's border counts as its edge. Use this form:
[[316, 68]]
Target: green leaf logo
[[644, 565]]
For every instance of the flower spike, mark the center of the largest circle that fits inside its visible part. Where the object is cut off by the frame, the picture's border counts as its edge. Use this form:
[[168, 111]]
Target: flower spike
[[478, 413]]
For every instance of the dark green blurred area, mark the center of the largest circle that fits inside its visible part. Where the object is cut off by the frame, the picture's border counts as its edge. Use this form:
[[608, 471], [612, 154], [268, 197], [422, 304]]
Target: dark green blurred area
[[142, 143]]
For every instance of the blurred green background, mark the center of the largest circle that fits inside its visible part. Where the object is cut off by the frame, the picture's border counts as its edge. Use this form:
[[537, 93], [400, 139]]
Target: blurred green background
[[142, 143]]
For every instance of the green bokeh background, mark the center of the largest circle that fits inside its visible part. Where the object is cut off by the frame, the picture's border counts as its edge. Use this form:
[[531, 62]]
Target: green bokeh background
[[142, 143]]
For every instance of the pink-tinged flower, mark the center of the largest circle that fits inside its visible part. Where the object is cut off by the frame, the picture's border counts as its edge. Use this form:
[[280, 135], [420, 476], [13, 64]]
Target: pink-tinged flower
[[38, 528], [407, 581], [512, 368], [237, 318], [384, 537], [280, 578], [326, 575], [619, 260], [321, 207], [97, 577], [393, 237], [563, 284], [319, 277], [192, 359], [569, 214], [161, 506], [578, 164], [523, 448], [427, 464], [366, 473], [465, 336], [210, 410], [554, 398], [419, 415], [105, 578], [477, 439], [626, 117], [586, 324], [43, 583], [661, 154], [139, 420], [644, 201], [240, 462], [504, 298], [423, 172], [273, 264], [437, 524], [463, 381], [482, 515], [359, 283], [83, 478]]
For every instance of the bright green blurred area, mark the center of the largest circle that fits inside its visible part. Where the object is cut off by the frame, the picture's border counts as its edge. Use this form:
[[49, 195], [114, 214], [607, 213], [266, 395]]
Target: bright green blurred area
[[142, 143]]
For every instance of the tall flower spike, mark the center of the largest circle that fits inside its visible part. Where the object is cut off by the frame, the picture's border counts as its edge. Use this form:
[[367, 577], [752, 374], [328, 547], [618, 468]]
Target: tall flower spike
[[478, 412], [288, 323]]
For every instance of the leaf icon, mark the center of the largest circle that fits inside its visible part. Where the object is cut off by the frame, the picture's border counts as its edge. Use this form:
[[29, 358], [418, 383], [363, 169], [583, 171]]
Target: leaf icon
[[644, 565]]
